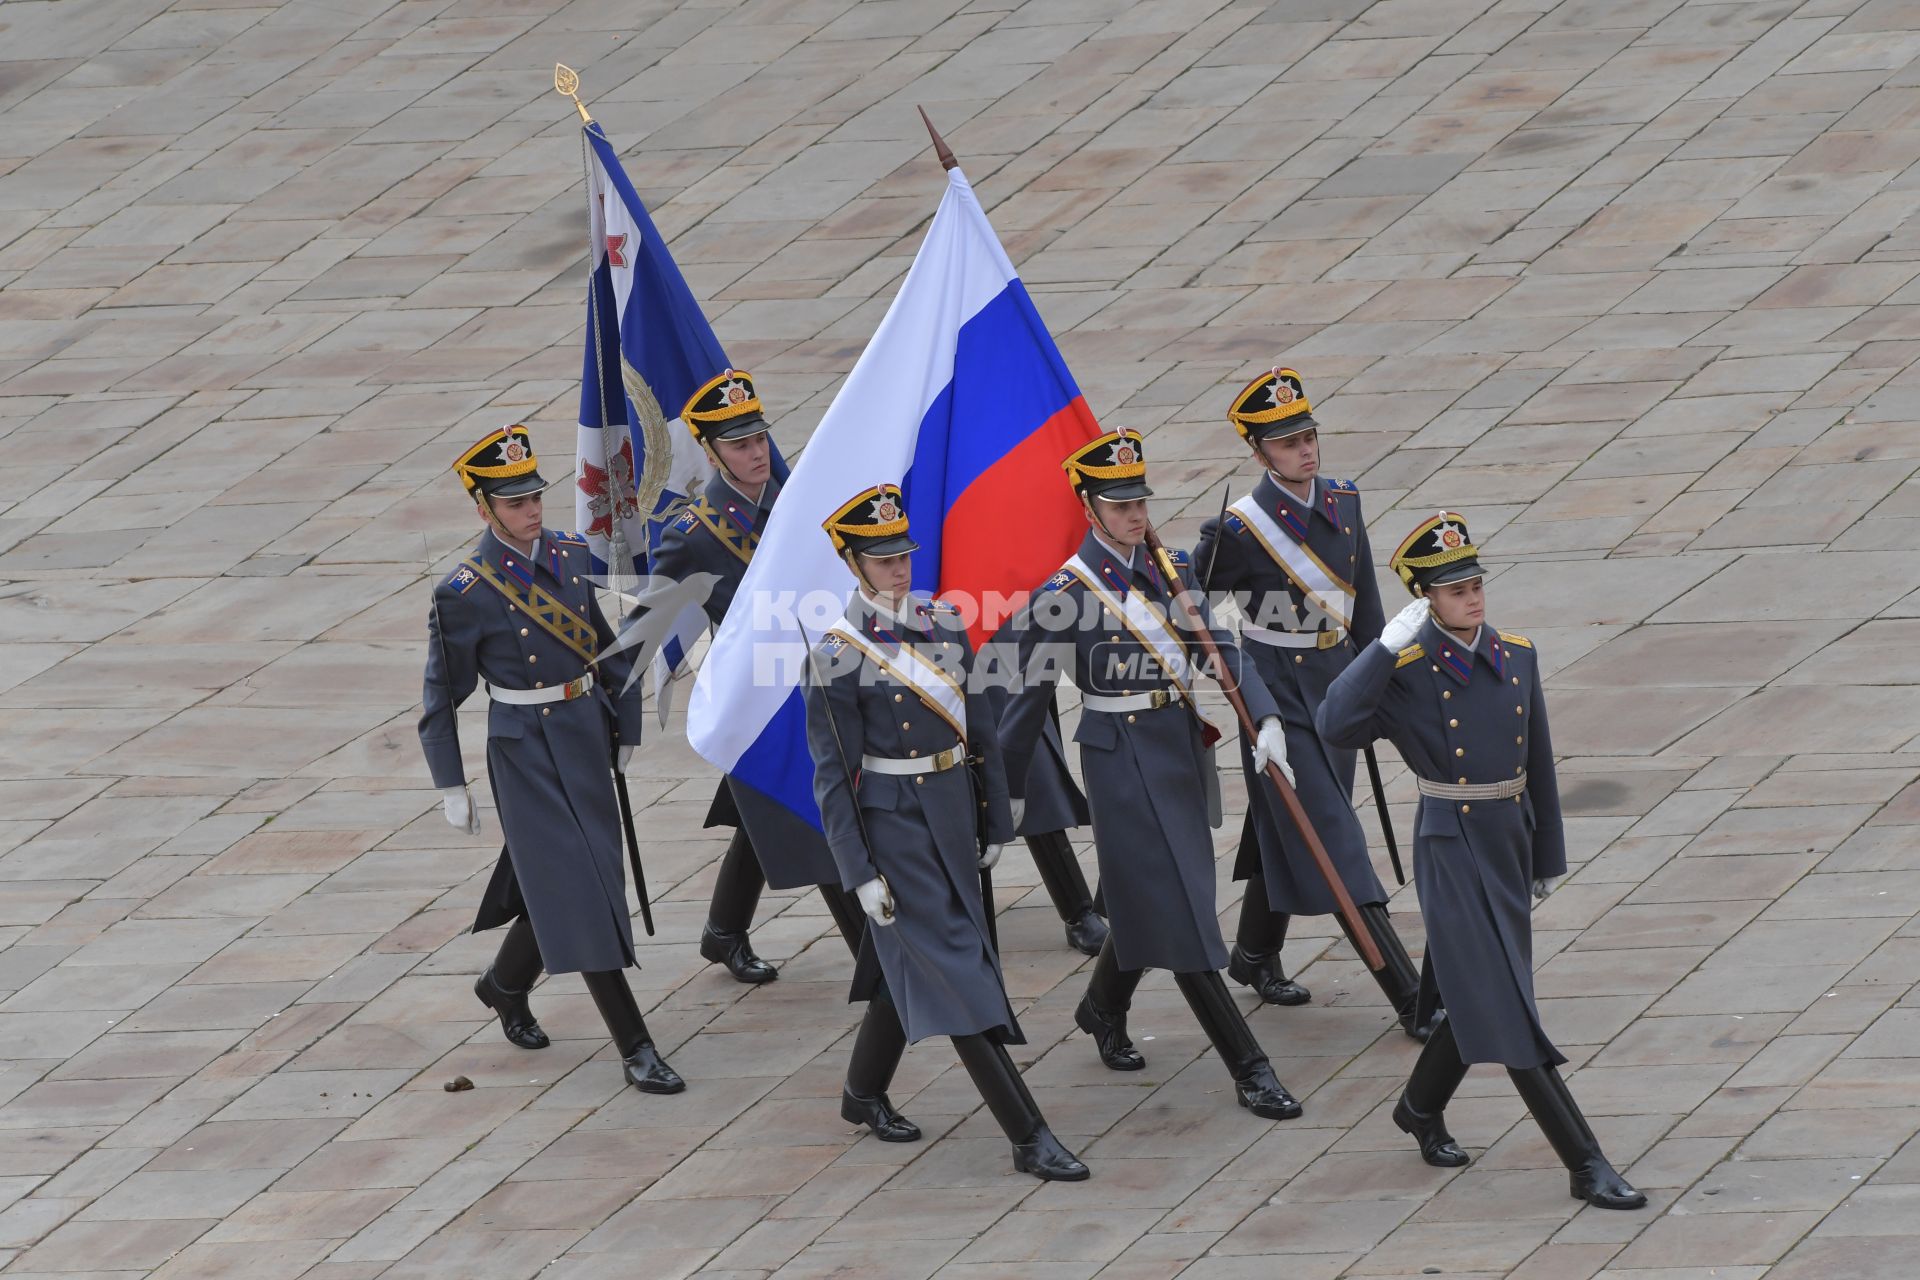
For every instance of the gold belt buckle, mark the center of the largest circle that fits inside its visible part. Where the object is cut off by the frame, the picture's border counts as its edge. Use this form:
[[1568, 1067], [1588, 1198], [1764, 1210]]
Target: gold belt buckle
[[1162, 698], [945, 760], [1331, 639], [576, 688]]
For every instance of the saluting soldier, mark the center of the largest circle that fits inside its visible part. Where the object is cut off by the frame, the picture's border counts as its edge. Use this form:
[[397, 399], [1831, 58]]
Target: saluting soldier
[[1463, 704], [1295, 555], [520, 614], [913, 796], [1103, 620], [717, 535]]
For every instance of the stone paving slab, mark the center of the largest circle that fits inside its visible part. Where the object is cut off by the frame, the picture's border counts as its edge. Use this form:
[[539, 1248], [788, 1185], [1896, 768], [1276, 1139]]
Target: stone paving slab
[[1633, 284]]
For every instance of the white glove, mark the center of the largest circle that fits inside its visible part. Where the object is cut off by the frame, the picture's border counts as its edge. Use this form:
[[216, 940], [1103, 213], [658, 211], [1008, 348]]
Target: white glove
[[1405, 625], [1019, 812], [621, 757], [876, 900], [1542, 888], [457, 804], [989, 857], [1270, 747]]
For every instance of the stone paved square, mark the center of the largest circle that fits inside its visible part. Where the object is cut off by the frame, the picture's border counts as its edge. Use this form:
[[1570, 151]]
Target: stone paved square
[[1634, 285]]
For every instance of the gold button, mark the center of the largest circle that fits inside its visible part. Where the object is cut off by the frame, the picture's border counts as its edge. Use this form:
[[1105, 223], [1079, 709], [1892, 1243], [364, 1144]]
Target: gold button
[[906, 724], [539, 684], [1459, 751], [1446, 653], [576, 582], [509, 564], [1516, 799], [1518, 770], [1463, 782], [1445, 694], [1516, 679], [919, 781], [1113, 639], [563, 550], [1299, 658], [1435, 669], [1466, 808], [1518, 741], [533, 657], [1129, 719], [1453, 724], [1345, 529], [1519, 711], [896, 697], [512, 609], [546, 711], [913, 753], [523, 631]]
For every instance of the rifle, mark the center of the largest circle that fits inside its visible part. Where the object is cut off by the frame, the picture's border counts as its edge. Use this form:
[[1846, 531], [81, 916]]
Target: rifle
[[1362, 936]]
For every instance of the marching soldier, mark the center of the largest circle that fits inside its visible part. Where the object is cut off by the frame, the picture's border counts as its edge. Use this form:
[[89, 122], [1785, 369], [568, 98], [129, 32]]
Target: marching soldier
[[520, 614], [1463, 704], [914, 800], [1295, 554], [717, 535], [1150, 778]]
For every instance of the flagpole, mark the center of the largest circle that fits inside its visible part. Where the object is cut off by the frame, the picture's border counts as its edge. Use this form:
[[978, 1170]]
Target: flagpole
[[940, 147], [566, 81]]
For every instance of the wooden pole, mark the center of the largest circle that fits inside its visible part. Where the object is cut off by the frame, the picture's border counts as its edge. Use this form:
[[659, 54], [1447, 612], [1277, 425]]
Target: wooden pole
[[1362, 936]]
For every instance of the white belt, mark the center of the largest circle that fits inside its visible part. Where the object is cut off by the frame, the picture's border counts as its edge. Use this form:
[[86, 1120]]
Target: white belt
[[938, 762], [1120, 702], [1472, 790], [1295, 639], [553, 693]]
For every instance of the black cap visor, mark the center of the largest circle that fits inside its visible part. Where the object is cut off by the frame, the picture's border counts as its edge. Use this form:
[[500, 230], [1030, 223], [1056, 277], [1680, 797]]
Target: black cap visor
[[1459, 571], [898, 544], [1122, 491], [1286, 427], [514, 486], [751, 424]]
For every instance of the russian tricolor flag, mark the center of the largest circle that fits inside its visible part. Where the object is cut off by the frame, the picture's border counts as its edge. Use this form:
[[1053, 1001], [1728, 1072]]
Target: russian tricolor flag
[[963, 399]]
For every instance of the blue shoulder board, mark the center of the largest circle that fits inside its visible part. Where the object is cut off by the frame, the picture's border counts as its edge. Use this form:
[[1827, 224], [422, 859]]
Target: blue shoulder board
[[833, 644], [578, 540], [1057, 581], [1234, 522], [687, 522], [1340, 486], [462, 579], [1181, 559]]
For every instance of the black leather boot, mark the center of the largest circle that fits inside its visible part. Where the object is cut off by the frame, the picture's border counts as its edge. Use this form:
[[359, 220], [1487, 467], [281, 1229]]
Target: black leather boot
[[1400, 980], [1421, 1109], [505, 986], [848, 917], [1067, 886], [1035, 1149], [876, 1052], [1255, 958], [1102, 1011], [1589, 1175], [736, 892], [1254, 1083], [645, 1069]]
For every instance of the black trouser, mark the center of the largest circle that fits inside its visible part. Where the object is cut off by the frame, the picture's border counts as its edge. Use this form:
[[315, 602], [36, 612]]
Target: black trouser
[[1399, 980], [619, 1010], [849, 917], [1262, 931], [876, 1048], [1060, 873], [1110, 989], [516, 966], [736, 890], [1437, 1073], [1000, 1086]]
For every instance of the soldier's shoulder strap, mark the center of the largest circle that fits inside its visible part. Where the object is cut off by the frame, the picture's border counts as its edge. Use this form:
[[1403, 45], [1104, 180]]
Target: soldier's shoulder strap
[[1412, 653], [572, 539], [1058, 581], [463, 576], [1515, 639], [735, 539], [1182, 559], [1340, 486]]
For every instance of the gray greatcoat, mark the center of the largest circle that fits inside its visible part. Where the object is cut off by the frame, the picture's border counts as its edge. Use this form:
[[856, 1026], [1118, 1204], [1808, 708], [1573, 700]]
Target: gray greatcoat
[[1145, 770], [918, 832], [549, 765], [791, 853], [1479, 717], [1054, 801], [1331, 526]]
